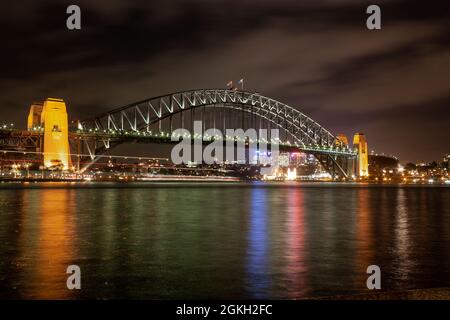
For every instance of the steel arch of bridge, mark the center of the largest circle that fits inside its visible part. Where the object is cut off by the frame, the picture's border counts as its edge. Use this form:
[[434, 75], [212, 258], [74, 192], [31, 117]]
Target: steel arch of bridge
[[308, 135]]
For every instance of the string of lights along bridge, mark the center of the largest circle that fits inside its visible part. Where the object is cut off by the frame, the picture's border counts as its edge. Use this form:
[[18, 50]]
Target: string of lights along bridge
[[74, 147]]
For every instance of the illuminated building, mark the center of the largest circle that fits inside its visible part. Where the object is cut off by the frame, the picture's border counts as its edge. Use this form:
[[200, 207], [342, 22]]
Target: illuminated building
[[283, 160], [362, 161], [264, 158], [291, 174], [446, 161], [298, 159], [52, 115], [342, 138]]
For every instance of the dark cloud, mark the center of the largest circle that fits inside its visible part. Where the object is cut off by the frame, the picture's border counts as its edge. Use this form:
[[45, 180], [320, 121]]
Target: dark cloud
[[317, 56]]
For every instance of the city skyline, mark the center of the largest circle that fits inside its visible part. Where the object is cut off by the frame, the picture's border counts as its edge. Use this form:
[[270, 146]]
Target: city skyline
[[225, 157], [318, 58]]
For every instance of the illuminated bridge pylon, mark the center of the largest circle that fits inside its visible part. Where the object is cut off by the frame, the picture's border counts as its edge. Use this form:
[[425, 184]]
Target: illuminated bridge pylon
[[155, 118]]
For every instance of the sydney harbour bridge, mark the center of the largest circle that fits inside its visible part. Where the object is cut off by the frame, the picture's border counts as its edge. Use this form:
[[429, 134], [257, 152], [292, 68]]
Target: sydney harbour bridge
[[154, 120]]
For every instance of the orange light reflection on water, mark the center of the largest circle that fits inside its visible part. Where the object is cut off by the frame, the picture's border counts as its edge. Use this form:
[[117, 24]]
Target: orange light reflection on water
[[55, 242]]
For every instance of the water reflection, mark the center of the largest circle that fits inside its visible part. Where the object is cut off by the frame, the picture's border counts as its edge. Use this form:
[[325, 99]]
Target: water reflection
[[220, 241], [296, 269], [257, 278], [402, 239], [55, 242], [365, 237]]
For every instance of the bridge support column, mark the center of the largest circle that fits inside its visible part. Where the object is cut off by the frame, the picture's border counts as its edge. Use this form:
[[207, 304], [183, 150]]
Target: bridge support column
[[362, 163], [56, 134]]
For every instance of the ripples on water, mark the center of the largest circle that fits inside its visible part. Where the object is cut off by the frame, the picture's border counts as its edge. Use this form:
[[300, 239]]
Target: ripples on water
[[174, 241]]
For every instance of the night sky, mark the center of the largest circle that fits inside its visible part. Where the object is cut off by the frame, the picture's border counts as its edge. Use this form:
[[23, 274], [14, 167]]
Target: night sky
[[317, 56]]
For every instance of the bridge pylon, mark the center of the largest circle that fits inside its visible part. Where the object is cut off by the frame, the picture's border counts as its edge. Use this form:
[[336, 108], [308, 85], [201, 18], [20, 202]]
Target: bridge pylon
[[51, 117]]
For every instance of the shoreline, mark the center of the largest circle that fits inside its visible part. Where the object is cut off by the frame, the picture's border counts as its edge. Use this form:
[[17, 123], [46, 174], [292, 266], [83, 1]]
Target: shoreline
[[224, 179]]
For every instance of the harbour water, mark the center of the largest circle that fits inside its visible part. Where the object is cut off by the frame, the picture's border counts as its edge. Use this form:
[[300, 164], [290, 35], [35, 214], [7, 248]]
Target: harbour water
[[220, 240]]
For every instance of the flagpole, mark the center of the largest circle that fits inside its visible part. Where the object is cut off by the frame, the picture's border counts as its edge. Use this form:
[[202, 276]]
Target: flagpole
[[242, 83]]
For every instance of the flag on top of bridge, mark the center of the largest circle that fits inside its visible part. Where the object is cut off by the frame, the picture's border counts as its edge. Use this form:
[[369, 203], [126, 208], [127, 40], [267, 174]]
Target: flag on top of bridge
[[230, 84], [241, 82]]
